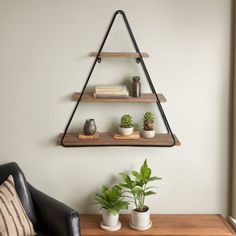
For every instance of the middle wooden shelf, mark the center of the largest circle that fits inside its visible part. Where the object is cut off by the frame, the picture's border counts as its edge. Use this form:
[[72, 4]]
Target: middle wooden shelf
[[145, 98]]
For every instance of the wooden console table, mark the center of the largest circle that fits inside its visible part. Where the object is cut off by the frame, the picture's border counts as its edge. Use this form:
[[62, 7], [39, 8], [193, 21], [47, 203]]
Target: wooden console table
[[163, 225]]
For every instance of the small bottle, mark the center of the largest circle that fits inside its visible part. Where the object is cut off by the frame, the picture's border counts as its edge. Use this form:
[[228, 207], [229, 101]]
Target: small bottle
[[136, 87]]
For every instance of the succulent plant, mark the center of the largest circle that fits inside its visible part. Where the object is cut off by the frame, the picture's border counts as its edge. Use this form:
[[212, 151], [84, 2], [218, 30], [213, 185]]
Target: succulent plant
[[126, 121], [148, 120]]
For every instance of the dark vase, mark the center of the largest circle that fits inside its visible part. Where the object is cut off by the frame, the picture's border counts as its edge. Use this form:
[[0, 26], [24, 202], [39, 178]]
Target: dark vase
[[136, 87], [90, 127]]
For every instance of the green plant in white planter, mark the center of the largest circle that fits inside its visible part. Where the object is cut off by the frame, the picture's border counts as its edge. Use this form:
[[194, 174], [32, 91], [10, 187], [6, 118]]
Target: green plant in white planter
[[111, 201], [148, 121], [137, 186], [127, 125]]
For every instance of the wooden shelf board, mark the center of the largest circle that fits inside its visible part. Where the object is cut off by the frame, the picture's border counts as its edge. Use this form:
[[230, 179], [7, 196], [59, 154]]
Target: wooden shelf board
[[119, 54], [145, 98], [106, 139], [162, 225]]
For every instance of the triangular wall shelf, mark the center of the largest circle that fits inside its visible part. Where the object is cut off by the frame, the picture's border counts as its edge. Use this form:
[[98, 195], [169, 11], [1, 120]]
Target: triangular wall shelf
[[168, 139]]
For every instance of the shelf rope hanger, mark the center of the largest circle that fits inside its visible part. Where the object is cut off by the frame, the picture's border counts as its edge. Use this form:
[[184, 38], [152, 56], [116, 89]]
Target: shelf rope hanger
[[139, 59]]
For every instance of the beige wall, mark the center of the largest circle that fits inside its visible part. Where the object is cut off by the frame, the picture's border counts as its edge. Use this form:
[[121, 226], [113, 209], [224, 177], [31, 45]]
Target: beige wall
[[233, 210], [43, 60]]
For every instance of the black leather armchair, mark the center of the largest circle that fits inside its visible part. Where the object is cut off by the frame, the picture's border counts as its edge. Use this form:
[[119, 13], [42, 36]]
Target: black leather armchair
[[49, 216]]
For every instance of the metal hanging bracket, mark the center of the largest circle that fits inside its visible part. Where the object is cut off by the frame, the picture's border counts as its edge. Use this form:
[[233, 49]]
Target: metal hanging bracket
[[138, 59]]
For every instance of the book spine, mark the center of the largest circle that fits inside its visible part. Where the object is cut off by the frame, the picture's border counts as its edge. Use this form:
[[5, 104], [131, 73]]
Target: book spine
[[111, 93], [110, 88], [110, 96]]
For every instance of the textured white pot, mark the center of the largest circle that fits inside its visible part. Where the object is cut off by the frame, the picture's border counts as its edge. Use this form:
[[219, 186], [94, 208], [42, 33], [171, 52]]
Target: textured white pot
[[126, 131], [148, 133], [140, 220], [108, 219]]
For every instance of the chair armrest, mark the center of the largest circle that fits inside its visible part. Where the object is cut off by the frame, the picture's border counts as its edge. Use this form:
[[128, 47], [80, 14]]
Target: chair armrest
[[53, 216]]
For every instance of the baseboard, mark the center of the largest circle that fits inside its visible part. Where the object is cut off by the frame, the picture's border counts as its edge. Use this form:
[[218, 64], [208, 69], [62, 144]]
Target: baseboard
[[232, 221]]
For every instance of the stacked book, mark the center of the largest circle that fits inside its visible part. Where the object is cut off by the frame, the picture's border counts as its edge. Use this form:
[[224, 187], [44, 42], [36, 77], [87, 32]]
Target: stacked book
[[111, 91]]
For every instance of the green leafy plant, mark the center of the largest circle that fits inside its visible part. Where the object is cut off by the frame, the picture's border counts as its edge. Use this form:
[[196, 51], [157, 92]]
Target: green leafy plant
[[126, 121], [137, 186], [111, 199], [148, 120]]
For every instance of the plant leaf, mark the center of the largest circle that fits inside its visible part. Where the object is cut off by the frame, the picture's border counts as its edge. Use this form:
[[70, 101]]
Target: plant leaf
[[113, 211], [136, 174], [148, 193], [145, 171], [154, 178]]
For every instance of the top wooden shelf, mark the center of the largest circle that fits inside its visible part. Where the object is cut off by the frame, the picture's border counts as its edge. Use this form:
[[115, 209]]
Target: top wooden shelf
[[119, 54]]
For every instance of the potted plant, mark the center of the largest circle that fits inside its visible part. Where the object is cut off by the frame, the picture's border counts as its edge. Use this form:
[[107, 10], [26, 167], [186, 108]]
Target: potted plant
[[148, 120], [137, 187], [111, 201], [127, 125]]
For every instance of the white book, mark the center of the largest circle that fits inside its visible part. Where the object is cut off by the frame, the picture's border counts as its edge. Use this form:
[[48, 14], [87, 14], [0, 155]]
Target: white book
[[112, 92], [111, 96], [117, 88]]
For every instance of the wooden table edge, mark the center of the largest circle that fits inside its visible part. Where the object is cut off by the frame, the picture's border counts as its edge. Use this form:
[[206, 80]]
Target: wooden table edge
[[230, 230]]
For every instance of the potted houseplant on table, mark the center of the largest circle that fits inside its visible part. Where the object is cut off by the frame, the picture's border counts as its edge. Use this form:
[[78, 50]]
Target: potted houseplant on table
[[111, 201], [148, 120], [137, 187], [127, 125]]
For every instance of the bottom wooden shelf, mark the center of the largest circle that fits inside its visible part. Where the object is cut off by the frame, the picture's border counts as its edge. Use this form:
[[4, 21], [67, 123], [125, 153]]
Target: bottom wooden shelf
[[163, 225], [106, 139]]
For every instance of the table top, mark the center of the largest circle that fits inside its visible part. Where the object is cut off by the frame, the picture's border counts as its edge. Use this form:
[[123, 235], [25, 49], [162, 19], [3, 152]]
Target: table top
[[162, 225]]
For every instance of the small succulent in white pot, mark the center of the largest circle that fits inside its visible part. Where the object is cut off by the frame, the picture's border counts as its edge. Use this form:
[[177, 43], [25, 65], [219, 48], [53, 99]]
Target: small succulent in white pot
[[111, 201], [137, 187], [148, 121], [127, 125]]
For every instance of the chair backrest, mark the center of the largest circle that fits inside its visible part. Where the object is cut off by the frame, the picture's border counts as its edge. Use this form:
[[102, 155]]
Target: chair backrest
[[20, 185]]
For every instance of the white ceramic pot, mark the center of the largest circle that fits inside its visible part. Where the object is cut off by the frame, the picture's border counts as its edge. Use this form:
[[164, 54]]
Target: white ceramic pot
[[148, 133], [126, 131], [140, 220], [108, 219]]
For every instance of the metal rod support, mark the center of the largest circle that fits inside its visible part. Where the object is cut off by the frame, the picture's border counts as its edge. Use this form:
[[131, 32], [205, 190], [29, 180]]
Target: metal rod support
[[138, 60]]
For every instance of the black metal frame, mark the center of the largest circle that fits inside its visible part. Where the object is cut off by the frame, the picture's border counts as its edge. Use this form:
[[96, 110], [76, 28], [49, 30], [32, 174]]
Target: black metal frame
[[138, 60]]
